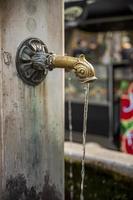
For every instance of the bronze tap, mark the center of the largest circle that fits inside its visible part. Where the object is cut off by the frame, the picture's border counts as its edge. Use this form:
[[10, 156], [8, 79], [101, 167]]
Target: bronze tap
[[33, 61], [82, 68]]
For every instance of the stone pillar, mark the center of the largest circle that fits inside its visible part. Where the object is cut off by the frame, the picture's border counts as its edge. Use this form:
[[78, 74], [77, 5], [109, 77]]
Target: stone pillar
[[31, 118]]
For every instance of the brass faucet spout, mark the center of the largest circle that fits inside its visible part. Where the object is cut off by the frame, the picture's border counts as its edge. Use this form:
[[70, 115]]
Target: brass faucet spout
[[82, 68], [33, 61]]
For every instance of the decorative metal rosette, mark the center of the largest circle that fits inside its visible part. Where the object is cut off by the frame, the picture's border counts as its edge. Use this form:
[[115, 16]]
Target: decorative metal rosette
[[31, 61]]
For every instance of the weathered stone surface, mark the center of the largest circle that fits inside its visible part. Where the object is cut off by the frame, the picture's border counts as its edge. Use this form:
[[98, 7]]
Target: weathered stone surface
[[95, 154], [31, 118]]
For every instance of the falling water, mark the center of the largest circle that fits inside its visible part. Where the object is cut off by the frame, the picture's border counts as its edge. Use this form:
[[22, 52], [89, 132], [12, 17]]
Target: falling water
[[70, 137], [86, 88], [84, 140]]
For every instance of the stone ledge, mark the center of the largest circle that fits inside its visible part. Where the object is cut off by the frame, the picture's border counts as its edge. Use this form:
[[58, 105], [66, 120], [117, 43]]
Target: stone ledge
[[114, 161]]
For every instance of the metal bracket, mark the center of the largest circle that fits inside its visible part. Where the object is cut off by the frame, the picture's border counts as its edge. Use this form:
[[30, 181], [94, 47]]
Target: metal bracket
[[32, 61]]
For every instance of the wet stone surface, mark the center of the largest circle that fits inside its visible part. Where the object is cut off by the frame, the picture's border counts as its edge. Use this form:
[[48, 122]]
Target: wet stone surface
[[16, 189]]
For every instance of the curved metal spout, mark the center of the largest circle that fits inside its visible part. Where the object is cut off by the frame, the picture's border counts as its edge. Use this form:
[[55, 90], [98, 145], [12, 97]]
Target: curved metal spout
[[82, 68], [33, 61]]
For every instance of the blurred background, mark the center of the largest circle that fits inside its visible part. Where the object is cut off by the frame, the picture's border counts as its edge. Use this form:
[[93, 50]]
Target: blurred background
[[103, 31]]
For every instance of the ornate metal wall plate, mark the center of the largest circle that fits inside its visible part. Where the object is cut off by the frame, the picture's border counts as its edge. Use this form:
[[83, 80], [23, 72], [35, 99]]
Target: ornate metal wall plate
[[31, 61]]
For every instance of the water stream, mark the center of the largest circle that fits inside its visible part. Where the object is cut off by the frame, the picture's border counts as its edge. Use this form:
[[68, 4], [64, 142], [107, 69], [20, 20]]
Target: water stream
[[86, 90], [70, 137]]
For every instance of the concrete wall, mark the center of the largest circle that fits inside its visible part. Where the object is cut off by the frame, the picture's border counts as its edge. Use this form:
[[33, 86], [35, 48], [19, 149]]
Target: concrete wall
[[31, 118]]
